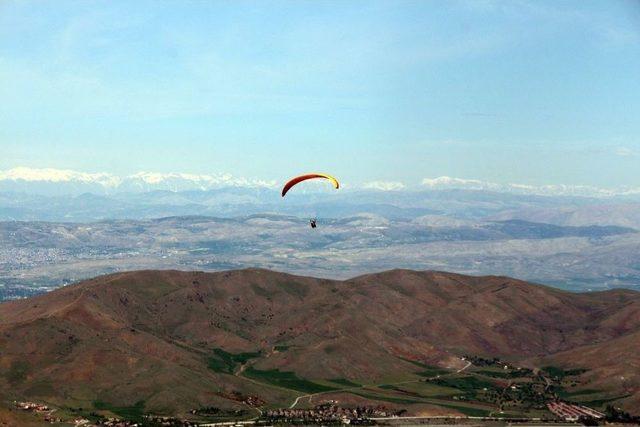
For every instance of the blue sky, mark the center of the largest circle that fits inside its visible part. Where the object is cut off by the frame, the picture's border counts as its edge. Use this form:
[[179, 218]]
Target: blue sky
[[515, 91]]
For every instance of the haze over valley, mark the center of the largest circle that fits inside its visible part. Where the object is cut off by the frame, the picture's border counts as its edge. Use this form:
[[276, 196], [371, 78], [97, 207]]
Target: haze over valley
[[572, 242]]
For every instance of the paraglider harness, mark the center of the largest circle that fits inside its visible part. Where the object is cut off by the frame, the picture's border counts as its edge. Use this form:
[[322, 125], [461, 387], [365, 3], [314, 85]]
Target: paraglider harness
[[312, 222]]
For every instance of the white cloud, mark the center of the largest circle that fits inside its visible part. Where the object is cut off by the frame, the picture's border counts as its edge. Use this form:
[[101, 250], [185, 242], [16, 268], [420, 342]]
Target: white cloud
[[58, 175], [140, 180], [384, 185], [446, 182], [145, 181]]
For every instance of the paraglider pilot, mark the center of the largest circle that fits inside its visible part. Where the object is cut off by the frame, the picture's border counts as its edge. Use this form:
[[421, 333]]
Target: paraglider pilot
[[292, 182]]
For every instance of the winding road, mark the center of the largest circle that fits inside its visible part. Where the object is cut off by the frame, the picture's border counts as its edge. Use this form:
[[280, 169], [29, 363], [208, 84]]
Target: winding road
[[310, 396]]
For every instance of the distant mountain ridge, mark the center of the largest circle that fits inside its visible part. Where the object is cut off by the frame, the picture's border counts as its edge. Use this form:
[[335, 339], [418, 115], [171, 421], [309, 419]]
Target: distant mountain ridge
[[231, 201], [51, 181], [98, 340]]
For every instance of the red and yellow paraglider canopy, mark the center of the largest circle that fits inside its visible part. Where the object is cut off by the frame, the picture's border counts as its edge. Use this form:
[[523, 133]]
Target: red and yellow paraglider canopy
[[298, 179]]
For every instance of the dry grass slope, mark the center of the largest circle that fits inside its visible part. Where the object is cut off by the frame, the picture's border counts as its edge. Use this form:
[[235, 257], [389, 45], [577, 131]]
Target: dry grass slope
[[150, 336]]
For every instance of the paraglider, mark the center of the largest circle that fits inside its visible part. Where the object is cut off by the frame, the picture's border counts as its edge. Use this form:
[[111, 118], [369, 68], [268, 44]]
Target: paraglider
[[298, 179]]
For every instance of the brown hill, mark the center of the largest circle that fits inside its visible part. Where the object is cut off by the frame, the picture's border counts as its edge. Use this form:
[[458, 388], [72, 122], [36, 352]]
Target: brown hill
[[151, 335]]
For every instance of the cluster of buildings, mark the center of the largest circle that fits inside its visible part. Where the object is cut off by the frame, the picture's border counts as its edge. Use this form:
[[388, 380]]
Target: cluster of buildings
[[572, 412], [32, 406], [327, 413], [250, 400], [169, 421], [40, 409], [116, 422], [17, 258]]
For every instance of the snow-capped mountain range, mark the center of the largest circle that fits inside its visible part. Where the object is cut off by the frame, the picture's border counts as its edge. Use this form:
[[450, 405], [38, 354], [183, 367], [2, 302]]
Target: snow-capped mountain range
[[50, 181], [445, 182], [61, 181]]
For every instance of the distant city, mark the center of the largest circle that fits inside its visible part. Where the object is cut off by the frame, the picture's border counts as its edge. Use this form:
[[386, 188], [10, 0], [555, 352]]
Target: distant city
[[571, 242]]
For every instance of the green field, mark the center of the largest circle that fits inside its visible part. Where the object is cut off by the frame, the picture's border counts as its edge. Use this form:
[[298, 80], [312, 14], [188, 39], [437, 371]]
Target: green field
[[503, 374], [578, 393], [467, 410], [467, 384], [427, 370], [344, 382], [561, 373], [131, 413], [600, 403], [226, 363], [286, 380], [424, 389], [476, 392], [385, 398]]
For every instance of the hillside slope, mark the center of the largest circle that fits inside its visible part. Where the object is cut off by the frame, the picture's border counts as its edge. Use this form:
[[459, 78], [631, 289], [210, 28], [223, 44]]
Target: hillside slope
[[168, 338]]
